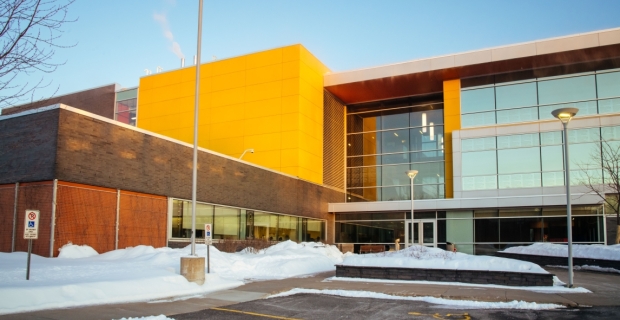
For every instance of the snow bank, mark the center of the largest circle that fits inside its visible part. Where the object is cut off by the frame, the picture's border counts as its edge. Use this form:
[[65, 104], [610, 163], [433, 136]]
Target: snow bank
[[145, 273], [592, 251], [447, 302], [159, 317], [72, 251], [434, 258]]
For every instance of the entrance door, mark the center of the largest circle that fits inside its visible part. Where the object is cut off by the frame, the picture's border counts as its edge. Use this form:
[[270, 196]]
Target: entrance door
[[422, 232]]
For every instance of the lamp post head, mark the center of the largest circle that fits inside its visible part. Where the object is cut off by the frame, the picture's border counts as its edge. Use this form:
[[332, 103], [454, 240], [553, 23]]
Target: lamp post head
[[412, 174], [565, 114]]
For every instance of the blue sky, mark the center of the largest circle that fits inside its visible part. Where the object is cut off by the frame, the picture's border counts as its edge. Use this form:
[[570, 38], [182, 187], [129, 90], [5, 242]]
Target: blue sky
[[117, 39]]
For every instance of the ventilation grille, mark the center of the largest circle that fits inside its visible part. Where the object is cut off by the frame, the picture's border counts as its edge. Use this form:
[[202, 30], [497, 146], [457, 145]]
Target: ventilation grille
[[333, 141]]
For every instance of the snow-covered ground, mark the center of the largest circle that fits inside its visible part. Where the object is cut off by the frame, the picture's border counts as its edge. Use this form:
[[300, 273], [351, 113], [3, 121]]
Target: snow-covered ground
[[592, 251], [82, 277], [447, 302], [434, 258]]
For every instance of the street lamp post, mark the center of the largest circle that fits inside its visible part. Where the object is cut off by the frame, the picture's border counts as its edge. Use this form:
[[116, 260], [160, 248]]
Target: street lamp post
[[565, 115], [411, 174]]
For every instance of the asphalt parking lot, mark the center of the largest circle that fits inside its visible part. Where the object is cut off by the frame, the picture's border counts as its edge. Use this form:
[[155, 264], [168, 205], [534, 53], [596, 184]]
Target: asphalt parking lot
[[314, 306]]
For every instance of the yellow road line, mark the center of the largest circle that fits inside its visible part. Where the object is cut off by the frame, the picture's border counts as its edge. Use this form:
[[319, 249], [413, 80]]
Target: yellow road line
[[255, 314]]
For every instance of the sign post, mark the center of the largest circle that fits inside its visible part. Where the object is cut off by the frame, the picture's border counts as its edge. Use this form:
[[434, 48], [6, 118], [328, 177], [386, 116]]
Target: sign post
[[208, 242], [31, 231]]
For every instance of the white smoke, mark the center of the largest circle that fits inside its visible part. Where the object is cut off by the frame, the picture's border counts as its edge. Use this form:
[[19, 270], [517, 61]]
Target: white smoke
[[163, 22]]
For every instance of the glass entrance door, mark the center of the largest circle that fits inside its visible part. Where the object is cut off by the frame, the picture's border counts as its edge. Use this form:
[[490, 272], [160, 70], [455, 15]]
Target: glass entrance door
[[422, 232]]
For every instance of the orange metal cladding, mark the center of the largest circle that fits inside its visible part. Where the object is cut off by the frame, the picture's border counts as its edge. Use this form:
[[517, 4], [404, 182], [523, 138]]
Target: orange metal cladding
[[452, 122], [142, 220], [7, 201], [36, 196], [85, 215], [270, 101]]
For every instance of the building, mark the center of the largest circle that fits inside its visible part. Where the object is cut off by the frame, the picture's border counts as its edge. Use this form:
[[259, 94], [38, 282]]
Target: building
[[331, 149]]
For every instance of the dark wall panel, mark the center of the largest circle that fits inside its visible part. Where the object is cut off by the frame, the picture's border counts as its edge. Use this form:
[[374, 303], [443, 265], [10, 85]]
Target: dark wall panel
[[95, 152], [28, 147]]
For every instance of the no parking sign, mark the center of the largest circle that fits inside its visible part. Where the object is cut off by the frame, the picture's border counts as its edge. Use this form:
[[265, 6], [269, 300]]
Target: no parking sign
[[208, 234], [31, 227]]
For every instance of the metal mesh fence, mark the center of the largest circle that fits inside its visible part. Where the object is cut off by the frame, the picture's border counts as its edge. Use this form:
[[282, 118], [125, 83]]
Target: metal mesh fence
[[7, 201], [35, 196]]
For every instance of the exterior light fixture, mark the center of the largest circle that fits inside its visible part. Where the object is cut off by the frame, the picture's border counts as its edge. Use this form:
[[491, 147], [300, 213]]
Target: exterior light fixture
[[565, 115], [248, 150], [411, 174]]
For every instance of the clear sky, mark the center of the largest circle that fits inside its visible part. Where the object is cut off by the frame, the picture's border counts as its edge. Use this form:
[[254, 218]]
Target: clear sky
[[117, 39]]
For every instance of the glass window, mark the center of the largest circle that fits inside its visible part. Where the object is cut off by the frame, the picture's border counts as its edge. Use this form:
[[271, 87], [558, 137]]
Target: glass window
[[395, 121], [517, 115], [395, 175], [265, 226], [423, 118], [553, 179], [518, 160], [552, 158], [478, 144], [479, 183], [396, 193], [519, 180], [364, 143], [567, 90], [555, 228], [477, 100], [585, 108], [549, 138], [395, 141], [584, 155], [204, 215], [429, 172], [486, 230], [478, 119], [479, 163], [363, 177], [363, 194], [364, 161], [395, 158], [608, 85], [521, 230], [610, 133], [428, 191], [584, 135], [426, 156], [315, 230], [609, 106], [518, 141], [520, 212], [430, 139], [516, 95], [226, 225], [288, 228]]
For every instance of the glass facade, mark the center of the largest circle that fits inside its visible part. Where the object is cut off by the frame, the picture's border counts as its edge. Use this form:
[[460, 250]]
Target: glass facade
[[480, 232], [383, 145], [531, 100], [239, 224], [126, 106], [534, 159]]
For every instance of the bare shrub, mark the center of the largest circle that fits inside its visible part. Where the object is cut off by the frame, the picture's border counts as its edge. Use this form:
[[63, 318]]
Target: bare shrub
[[250, 245]]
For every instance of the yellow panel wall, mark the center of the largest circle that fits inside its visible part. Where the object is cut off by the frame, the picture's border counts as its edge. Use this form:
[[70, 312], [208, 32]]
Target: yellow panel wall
[[269, 101], [452, 122]]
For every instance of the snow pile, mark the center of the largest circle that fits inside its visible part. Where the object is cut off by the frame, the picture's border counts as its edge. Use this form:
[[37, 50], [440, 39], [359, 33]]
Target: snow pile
[[589, 268], [72, 251], [447, 302], [434, 258], [145, 273], [591, 251], [159, 317]]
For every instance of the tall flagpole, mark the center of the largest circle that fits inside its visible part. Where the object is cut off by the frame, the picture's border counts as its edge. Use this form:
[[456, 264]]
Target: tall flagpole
[[195, 162]]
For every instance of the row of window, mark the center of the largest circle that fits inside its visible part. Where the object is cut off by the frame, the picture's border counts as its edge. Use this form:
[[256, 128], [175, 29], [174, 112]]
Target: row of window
[[395, 175], [397, 193], [235, 224], [535, 99], [535, 160]]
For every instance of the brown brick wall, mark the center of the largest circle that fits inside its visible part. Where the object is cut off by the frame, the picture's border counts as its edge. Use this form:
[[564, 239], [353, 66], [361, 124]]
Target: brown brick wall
[[7, 202], [142, 220], [28, 147], [100, 101], [35, 196], [135, 161], [85, 215]]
